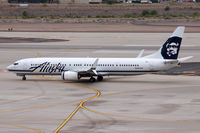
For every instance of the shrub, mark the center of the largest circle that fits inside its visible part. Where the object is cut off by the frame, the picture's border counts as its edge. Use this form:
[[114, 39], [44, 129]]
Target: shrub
[[45, 5], [103, 16], [167, 8], [51, 16], [154, 13], [195, 14], [166, 16], [33, 16], [68, 15], [130, 15], [110, 2], [77, 16], [98, 16], [25, 14], [145, 13]]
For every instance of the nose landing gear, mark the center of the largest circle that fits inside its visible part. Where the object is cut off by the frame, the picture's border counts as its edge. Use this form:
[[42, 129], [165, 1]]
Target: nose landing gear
[[23, 77]]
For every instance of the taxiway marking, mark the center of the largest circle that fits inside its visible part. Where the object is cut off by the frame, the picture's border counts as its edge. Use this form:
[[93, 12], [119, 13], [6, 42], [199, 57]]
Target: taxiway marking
[[142, 118], [79, 106], [37, 107], [28, 128], [115, 115]]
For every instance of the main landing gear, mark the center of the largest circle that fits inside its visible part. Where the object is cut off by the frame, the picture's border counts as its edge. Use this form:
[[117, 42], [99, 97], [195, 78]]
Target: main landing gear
[[99, 78], [92, 79], [23, 77]]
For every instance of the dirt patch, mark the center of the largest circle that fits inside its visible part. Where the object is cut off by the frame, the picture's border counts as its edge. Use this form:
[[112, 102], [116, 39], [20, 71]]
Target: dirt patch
[[27, 40], [107, 27]]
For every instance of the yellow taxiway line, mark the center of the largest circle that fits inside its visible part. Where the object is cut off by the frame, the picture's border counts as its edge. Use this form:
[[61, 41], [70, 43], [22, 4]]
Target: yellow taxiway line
[[79, 106], [28, 128], [108, 114], [37, 107], [140, 118]]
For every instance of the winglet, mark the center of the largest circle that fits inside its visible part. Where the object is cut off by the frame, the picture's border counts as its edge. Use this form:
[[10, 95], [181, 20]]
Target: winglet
[[95, 64], [140, 54]]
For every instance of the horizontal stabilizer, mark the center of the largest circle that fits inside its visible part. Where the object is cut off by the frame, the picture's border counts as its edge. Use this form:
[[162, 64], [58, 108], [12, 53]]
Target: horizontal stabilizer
[[184, 59]]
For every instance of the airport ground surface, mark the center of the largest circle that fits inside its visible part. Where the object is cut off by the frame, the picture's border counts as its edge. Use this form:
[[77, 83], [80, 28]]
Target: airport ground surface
[[137, 104]]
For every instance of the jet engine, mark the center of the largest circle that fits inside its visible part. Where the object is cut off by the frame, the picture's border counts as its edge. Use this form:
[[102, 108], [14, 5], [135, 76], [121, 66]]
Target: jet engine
[[70, 75]]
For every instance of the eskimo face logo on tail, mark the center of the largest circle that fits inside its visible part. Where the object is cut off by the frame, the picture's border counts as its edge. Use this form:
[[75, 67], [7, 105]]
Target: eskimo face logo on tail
[[48, 67], [172, 49]]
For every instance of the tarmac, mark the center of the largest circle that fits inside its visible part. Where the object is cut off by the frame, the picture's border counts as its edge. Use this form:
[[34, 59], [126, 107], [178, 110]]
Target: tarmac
[[132, 104]]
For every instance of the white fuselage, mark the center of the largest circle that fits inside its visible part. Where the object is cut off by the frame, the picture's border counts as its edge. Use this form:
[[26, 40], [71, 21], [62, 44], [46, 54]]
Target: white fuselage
[[105, 66], [75, 68]]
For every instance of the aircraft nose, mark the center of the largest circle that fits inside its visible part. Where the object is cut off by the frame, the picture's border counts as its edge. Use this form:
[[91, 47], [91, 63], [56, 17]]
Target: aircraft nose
[[9, 68]]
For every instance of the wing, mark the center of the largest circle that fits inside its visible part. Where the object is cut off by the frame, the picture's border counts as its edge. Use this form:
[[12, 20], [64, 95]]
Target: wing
[[91, 71]]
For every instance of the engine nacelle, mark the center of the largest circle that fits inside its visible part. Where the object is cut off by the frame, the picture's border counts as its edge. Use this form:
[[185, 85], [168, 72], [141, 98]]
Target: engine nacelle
[[70, 75]]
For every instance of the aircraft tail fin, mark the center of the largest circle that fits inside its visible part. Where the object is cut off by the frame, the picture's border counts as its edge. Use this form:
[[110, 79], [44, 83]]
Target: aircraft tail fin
[[171, 47]]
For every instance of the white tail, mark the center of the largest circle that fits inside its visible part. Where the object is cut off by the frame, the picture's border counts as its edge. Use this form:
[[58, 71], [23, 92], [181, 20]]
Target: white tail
[[171, 47]]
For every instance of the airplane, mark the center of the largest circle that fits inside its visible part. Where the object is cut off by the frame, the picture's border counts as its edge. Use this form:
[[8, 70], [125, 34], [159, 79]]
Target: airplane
[[73, 69]]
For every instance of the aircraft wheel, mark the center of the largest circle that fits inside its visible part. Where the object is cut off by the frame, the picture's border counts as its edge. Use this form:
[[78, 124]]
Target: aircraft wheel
[[99, 78], [24, 77], [92, 79]]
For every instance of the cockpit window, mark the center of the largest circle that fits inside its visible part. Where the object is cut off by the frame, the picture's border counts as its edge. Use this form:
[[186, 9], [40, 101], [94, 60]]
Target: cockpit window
[[15, 63]]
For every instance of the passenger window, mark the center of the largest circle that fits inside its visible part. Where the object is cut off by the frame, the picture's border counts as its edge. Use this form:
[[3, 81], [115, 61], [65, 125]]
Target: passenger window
[[15, 63]]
